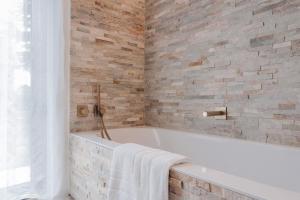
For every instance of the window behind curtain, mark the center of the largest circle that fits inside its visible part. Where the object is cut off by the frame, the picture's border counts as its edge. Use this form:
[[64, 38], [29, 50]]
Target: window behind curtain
[[16, 94], [33, 99]]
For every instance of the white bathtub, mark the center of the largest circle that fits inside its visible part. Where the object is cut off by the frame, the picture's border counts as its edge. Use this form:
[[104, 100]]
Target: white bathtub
[[259, 170]]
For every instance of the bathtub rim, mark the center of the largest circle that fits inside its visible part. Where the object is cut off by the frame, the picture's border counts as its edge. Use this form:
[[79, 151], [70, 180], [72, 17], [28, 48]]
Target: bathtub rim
[[201, 134], [228, 181], [216, 137]]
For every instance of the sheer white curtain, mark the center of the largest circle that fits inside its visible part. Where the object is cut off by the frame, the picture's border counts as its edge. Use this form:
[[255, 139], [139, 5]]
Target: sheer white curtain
[[33, 99]]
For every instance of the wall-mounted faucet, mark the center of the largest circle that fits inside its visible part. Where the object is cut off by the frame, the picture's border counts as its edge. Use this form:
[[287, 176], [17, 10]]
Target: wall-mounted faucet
[[99, 114], [218, 113]]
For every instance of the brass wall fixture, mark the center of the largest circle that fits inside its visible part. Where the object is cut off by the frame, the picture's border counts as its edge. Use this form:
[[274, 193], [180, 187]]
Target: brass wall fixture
[[99, 114], [217, 113], [82, 111]]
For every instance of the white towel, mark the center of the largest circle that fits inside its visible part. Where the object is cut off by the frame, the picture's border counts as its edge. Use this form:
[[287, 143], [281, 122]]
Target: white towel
[[140, 173]]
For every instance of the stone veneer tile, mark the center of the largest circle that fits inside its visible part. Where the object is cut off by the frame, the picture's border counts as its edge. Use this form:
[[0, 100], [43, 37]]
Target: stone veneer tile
[[238, 53], [196, 55], [199, 55], [191, 189], [107, 47]]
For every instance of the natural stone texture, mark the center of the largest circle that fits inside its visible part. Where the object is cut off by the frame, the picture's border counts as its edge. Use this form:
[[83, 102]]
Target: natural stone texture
[[90, 168], [282, 44], [192, 188], [261, 41], [243, 54], [107, 47]]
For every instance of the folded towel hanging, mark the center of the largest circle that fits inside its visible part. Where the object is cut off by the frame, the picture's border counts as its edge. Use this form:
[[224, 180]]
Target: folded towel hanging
[[140, 173]]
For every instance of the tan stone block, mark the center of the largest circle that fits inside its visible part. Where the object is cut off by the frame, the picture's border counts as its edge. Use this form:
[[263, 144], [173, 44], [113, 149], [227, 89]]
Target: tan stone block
[[217, 190], [175, 186]]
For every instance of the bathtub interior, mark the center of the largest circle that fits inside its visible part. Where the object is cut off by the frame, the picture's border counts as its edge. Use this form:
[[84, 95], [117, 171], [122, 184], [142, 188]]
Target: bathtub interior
[[273, 165], [142, 136]]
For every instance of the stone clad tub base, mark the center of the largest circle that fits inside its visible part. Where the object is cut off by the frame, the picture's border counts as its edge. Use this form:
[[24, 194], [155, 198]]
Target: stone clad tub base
[[90, 168], [185, 187]]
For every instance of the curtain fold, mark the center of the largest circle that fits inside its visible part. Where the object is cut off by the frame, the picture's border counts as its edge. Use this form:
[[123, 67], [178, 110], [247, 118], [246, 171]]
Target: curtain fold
[[34, 82]]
